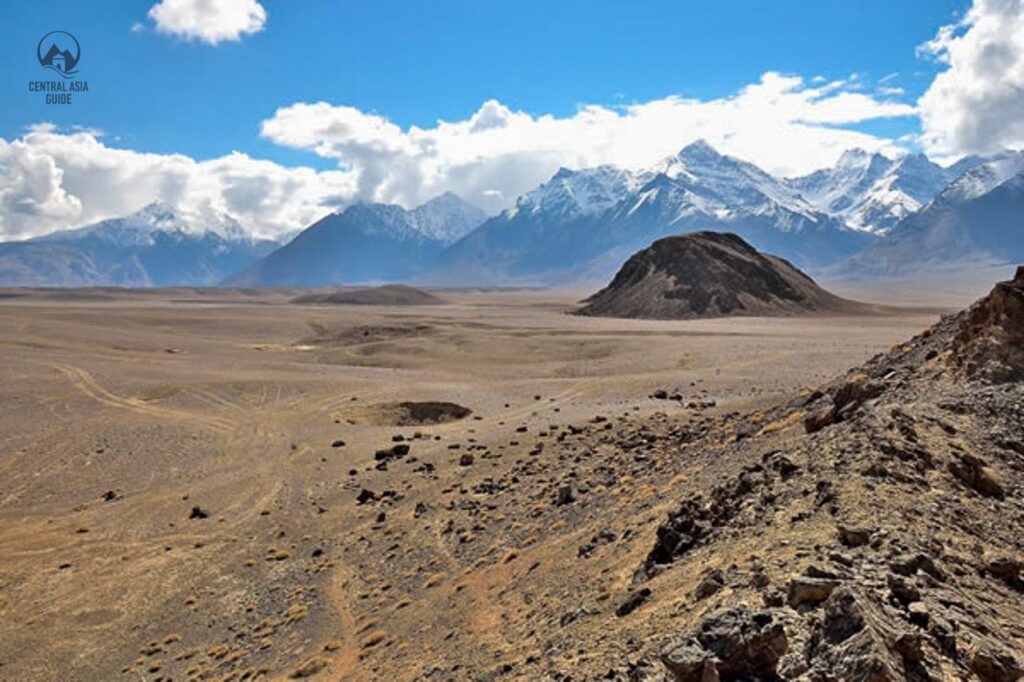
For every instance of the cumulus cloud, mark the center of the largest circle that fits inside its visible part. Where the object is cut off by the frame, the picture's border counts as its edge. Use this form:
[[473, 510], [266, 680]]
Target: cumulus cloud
[[211, 21], [780, 122], [976, 104], [51, 180]]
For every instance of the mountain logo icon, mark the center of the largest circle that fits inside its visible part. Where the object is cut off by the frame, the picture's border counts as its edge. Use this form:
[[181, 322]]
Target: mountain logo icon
[[60, 51]]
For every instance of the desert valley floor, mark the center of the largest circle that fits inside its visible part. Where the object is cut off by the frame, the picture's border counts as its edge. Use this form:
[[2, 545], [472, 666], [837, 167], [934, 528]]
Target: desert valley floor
[[225, 485]]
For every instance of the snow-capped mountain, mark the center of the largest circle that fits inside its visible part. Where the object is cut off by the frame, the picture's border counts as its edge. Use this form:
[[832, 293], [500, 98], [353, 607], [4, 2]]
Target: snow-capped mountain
[[977, 219], [729, 183], [446, 217], [156, 246], [572, 194], [365, 243], [584, 224], [986, 176], [146, 224], [872, 192]]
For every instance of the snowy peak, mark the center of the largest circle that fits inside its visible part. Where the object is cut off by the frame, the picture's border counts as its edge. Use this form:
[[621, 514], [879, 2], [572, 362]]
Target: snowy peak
[[447, 217], [730, 183], [572, 194], [872, 192], [444, 219], [157, 219], [985, 177]]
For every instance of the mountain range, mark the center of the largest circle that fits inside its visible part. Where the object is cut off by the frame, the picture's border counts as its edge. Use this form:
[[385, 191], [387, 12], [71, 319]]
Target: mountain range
[[978, 219], [156, 246], [867, 216], [872, 192], [365, 243], [582, 224]]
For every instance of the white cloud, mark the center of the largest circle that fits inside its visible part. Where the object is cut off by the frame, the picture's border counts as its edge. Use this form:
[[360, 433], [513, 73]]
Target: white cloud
[[497, 153], [51, 180], [976, 105], [211, 21]]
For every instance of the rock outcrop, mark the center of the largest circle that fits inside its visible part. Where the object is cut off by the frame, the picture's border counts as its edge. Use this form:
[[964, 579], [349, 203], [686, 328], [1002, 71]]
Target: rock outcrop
[[905, 503], [710, 274]]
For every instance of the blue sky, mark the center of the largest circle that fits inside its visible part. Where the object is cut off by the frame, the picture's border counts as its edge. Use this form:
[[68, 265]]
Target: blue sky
[[277, 111], [416, 62]]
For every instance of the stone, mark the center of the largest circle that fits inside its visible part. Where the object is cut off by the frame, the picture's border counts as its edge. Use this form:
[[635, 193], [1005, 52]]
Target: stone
[[975, 473], [1006, 569], [919, 614], [853, 536], [688, 661], [902, 590], [710, 583], [816, 421], [633, 601], [803, 590], [747, 644], [993, 666]]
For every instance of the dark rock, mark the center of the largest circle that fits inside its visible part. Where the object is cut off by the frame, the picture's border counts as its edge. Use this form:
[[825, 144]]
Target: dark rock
[[746, 644], [633, 601], [564, 496], [365, 496], [908, 646], [995, 666], [198, 513], [688, 661], [1006, 569], [902, 589], [804, 590], [973, 472], [710, 583], [853, 536], [466, 459], [816, 421]]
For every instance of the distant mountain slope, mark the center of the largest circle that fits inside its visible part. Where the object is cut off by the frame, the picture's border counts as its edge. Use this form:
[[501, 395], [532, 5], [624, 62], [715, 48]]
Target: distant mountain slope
[[365, 243], [872, 192], [969, 223], [709, 274], [157, 246], [581, 225]]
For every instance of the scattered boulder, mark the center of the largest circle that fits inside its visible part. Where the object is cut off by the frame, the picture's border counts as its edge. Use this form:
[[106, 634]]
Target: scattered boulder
[[730, 644], [633, 601], [853, 536], [711, 582], [816, 421], [805, 590]]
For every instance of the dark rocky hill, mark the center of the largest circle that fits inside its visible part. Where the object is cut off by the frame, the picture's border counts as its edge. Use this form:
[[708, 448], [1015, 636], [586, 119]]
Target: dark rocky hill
[[709, 274]]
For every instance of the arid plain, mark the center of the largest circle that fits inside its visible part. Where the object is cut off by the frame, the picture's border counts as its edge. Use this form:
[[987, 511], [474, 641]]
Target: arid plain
[[200, 484]]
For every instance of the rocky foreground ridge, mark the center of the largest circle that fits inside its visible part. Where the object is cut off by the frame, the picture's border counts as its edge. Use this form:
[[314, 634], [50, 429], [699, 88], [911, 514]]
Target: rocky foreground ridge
[[908, 478]]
